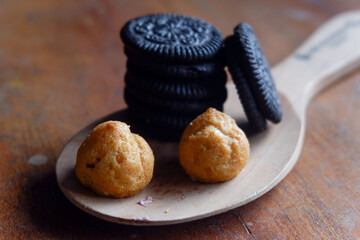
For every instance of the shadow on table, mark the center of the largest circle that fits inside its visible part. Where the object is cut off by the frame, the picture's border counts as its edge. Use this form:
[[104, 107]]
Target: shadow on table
[[55, 215]]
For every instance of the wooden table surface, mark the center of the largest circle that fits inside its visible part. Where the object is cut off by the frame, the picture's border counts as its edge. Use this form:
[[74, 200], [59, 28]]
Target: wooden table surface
[[62, 67]]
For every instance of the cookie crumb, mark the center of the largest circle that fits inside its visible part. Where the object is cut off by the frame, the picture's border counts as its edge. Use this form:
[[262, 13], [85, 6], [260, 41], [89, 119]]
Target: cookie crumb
[[146, 201]]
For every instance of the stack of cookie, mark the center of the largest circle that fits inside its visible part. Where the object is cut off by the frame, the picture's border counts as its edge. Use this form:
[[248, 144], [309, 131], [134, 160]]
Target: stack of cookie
[[175, 71]]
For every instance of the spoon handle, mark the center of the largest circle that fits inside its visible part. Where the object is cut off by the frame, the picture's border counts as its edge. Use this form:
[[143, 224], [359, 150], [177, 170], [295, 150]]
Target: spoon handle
[[327, 55]]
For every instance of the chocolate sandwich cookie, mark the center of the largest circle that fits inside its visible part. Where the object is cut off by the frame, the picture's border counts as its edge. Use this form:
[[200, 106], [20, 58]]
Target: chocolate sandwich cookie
[[172, 38], [185, 106], [149, 127], [149, 130], [157, 125], [256, 119], [179, 70], [185, 90], [251, 73], [257, 72], [174, 121], [131, 67], [167, 120]]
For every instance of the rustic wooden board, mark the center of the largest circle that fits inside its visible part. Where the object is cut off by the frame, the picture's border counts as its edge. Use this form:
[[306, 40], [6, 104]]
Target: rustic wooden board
[[62, 67]]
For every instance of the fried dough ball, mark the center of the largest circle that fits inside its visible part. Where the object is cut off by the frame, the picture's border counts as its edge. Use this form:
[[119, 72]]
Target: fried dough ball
[[213, 148], [114, 162]]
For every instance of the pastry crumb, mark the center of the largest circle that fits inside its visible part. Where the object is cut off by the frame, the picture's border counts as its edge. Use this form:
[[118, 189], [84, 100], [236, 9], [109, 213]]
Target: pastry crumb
[[146, 201]]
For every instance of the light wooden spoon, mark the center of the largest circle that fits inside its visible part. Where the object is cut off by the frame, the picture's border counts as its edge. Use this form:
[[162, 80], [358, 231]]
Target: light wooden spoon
[[332, 51]]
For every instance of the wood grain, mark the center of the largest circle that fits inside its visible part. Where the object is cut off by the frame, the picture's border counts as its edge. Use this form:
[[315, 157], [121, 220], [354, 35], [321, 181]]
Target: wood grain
[[61, 67]]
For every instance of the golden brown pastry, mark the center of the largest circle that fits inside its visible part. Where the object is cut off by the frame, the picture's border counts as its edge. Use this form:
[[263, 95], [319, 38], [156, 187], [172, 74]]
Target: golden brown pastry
[[213, 148], [114, 162]]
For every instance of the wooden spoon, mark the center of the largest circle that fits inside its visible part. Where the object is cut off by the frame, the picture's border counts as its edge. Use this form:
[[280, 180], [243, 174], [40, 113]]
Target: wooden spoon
[[330, 53]]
